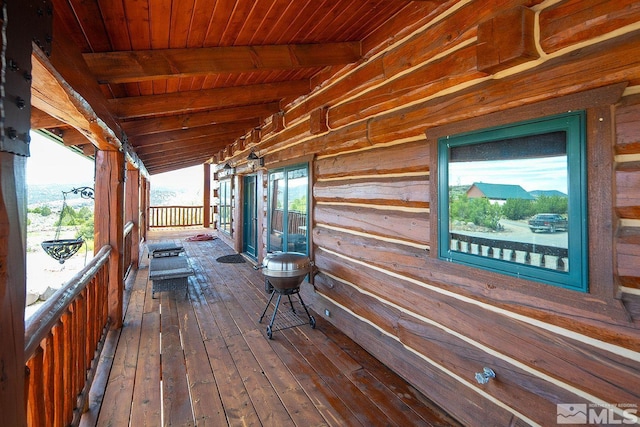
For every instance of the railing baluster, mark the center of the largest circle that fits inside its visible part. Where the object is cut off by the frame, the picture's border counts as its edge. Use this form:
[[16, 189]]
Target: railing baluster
[[36, 408], [61, 342], [58, 356], [48, 376], [176, 216], [67, 327]]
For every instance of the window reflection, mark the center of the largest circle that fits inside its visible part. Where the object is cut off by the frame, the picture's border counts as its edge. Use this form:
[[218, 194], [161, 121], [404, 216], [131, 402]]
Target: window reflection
[[512, 200], [225, 206], [288, 194]]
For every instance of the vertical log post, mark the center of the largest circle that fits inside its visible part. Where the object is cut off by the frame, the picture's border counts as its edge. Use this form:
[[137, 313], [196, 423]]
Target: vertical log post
[[133, 211], [144, 208], [206, 211], [109, 224], [23, 24], [13, 214]]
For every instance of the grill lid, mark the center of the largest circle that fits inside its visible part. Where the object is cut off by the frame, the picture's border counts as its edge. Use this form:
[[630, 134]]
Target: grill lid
[[286, 264]]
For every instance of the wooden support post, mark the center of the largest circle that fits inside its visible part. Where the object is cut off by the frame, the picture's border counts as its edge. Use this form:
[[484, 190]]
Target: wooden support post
[[132, 204], [207, 196], [13, 273], [21, 28], [144, 207], [109, 224]]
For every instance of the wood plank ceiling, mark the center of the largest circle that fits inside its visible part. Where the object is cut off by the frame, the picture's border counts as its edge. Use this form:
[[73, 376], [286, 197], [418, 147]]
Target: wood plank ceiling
[[186, 78]]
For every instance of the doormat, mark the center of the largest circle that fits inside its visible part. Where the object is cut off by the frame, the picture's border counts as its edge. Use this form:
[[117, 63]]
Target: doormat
[[231, 259], [200, 238]]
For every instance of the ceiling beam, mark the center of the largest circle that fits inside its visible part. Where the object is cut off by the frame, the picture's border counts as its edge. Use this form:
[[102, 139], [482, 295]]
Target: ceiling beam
[[42, 120], [50, 93], [72, 137], [183, 121], [159, 149], [157, 139], [171, 156], [209, 99], [177, 165], [152, 163], [146, 65]]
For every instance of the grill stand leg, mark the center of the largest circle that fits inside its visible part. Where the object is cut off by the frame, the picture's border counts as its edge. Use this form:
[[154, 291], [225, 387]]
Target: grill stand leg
[[288, 293], [293, 309], [312, 320], [273, 317], [273, 292]]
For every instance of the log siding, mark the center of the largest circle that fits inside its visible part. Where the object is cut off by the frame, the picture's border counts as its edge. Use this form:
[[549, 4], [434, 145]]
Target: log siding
[[375, 219]]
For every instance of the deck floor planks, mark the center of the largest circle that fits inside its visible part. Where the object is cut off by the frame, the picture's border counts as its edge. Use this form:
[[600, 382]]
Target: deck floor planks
[[266, 402], [418, 403], [298, 404], [175, 388], [224, 371], [146, 404], [120, 385], [258, 297], [252, 311], [235, 397], [313, 382], [205, 400]]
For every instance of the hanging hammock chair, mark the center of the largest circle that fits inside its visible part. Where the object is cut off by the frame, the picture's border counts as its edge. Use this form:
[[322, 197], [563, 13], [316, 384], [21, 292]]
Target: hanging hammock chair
[[63, 249]]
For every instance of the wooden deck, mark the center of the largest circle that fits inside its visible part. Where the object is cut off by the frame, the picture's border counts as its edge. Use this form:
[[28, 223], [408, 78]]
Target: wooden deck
[[203, 359]]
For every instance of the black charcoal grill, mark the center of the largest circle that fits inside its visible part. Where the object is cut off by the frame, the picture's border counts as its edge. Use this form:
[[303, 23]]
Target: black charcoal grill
[[284, 272]]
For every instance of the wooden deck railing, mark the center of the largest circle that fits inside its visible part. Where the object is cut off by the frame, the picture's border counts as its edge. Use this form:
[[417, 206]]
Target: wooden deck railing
[[550, 257], [297, 221], [63, 341], [175, 216], [128, 242]]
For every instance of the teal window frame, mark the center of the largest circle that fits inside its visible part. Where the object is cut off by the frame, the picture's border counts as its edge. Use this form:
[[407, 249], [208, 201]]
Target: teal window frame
[[226, 206], [285, 243], [574, 124]]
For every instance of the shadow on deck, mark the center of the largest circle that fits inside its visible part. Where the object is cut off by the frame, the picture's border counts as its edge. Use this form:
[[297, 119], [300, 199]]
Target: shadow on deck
[[203, 359]]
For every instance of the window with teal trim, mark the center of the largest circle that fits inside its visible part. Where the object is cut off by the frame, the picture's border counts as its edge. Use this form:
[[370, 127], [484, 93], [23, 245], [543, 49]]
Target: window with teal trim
[[225, 206], [512, 199], [288, 209]]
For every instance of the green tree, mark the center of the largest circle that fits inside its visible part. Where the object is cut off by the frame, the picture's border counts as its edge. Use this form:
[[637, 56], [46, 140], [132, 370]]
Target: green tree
[[516, 209], [86, 230], [42, 210], [85, 213], [478, 211], [551, 204], [299, 205], [68, 217]]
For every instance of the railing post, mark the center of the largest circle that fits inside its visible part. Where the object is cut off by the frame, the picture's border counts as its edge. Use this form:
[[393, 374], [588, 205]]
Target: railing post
[[133, 212], [109, 224], [206, 202]]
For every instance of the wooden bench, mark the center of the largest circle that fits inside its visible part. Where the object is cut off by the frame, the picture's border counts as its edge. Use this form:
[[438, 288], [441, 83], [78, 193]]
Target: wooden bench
[[169, 273]]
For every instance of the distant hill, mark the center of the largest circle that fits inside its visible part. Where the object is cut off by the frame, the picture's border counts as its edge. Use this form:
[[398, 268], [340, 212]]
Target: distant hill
[[51, 194], [39, 194], [548, 193]]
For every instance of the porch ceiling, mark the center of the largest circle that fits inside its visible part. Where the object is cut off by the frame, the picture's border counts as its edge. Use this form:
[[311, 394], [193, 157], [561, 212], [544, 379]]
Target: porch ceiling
[[189, 78]]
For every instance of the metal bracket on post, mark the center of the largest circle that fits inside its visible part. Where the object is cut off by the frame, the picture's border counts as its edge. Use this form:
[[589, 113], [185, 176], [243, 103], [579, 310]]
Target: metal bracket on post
[[17, 42]]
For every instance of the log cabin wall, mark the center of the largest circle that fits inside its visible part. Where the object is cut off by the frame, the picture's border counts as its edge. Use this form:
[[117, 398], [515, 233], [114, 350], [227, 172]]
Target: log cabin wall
[[448, 67]]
